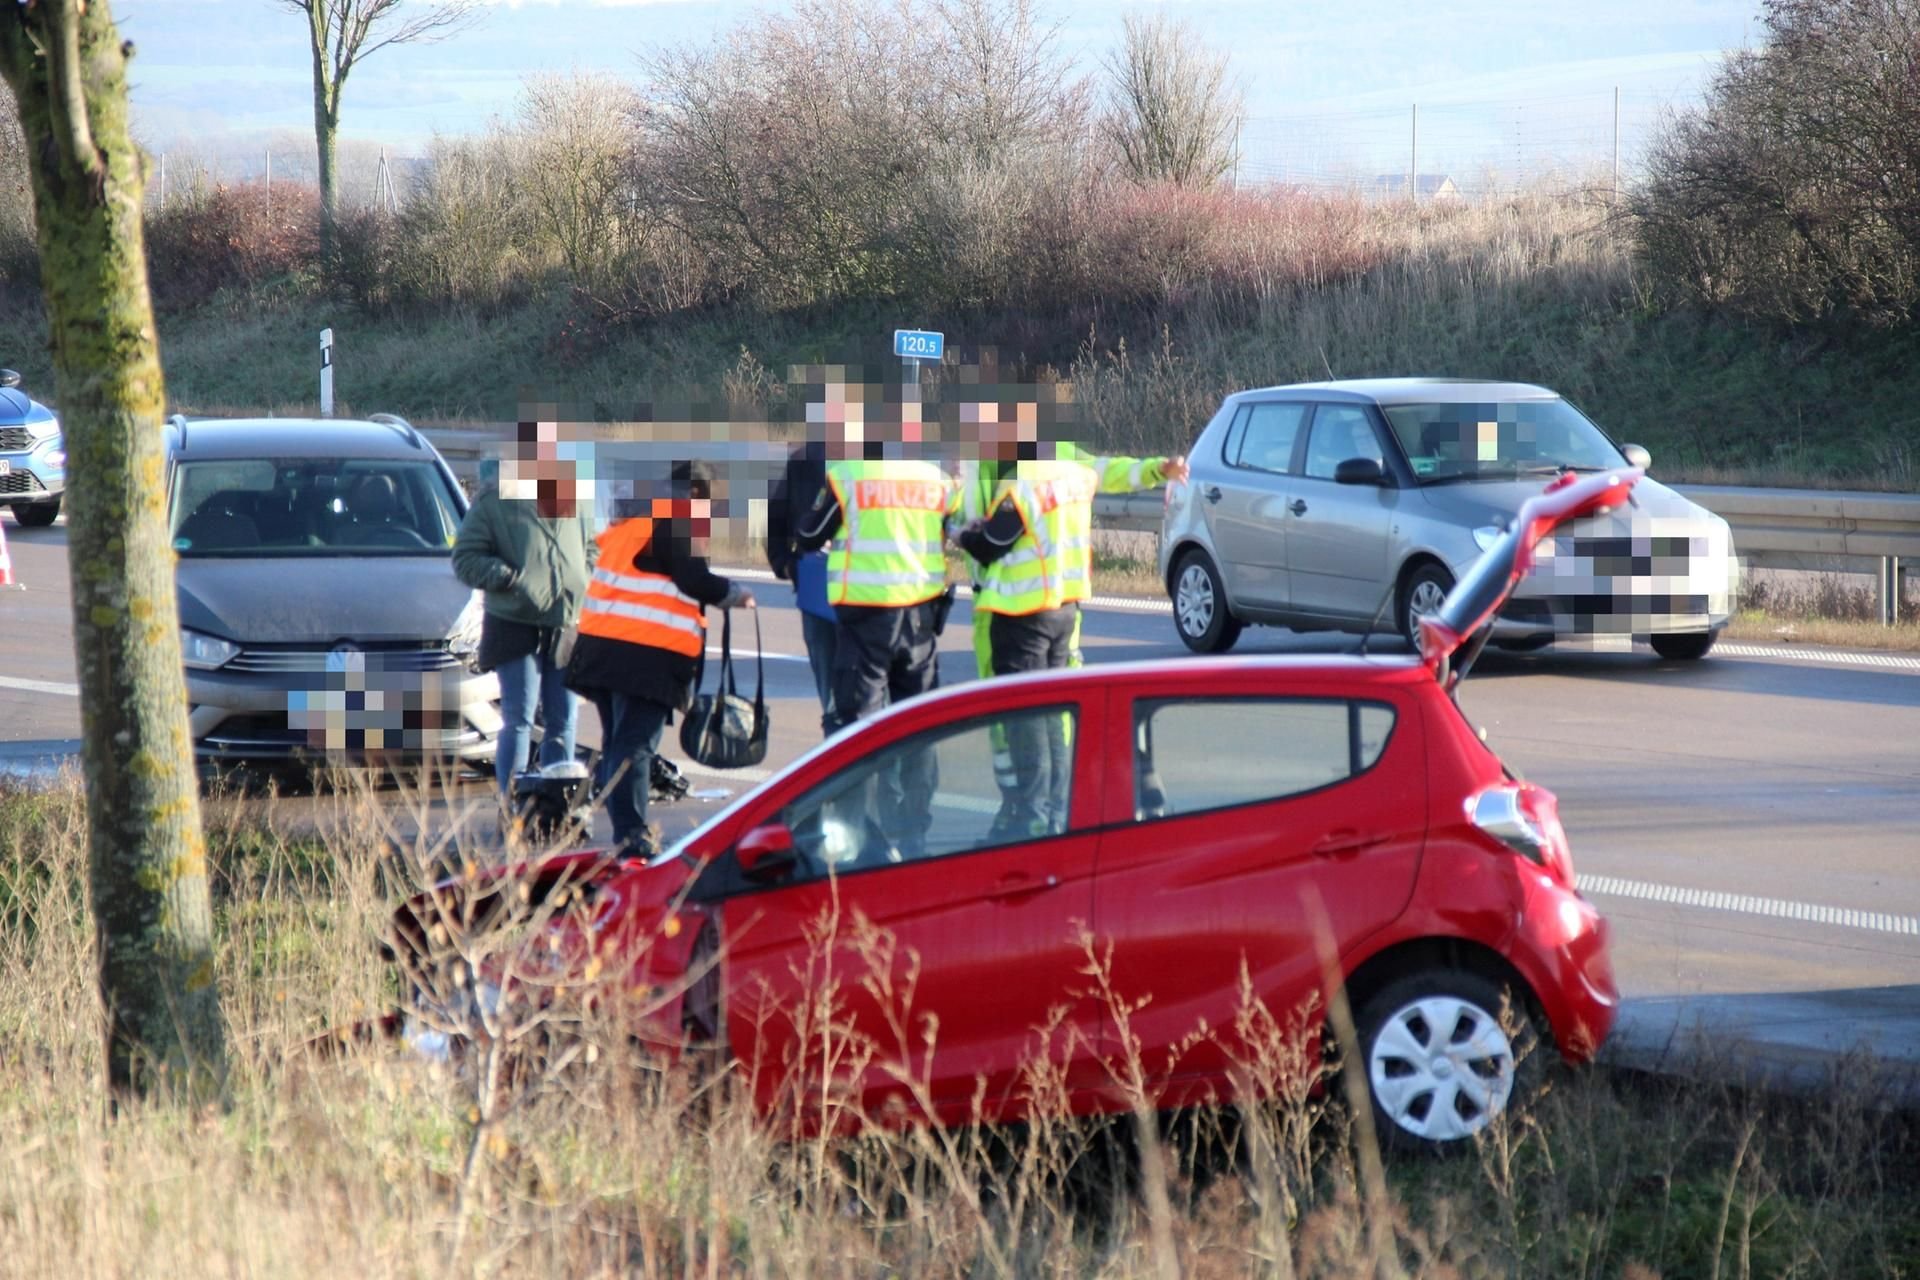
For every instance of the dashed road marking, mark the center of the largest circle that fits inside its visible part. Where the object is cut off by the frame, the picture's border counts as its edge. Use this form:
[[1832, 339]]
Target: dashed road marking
[[40, 686], [1794, 653], [1747, 904]]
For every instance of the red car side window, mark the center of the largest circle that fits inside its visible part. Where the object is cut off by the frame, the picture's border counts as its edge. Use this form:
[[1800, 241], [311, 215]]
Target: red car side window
[[1289, 746], [941, 793]]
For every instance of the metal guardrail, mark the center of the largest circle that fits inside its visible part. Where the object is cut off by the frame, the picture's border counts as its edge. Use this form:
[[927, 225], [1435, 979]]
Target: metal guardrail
[[1827, 530]]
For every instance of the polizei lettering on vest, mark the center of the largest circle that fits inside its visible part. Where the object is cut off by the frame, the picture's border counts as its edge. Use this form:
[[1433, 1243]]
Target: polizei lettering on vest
[[1051, 494], [909, 495]]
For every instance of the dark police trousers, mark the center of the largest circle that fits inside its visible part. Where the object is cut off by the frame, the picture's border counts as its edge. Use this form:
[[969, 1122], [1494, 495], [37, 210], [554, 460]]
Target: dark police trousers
[[884, 656], [1042, 762]]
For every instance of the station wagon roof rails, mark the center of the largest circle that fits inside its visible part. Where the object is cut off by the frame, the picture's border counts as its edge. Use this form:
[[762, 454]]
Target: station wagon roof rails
[[399, 424], [178, 422]]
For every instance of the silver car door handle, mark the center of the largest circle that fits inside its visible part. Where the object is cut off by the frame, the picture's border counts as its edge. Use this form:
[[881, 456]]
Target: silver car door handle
[[1211, 493], [1298, 506]]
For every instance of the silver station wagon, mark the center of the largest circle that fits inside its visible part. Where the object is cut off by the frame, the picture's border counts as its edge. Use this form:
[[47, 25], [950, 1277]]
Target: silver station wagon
[[1355, 505]]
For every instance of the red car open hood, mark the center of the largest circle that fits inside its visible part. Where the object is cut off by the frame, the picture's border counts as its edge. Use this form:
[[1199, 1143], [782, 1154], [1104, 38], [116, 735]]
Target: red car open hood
[[1451, 639]]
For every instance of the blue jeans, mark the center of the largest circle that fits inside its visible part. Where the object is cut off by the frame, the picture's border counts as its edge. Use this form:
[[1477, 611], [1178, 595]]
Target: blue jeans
[[822, 637], [629, 736], [520, 680]]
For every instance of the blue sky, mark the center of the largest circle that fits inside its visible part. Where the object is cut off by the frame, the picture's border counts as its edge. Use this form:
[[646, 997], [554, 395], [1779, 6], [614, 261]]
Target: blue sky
[[1329, 88]]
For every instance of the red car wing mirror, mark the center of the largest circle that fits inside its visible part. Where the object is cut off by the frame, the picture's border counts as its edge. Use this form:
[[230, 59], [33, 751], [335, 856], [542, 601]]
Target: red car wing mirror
[[765, 851], [1452, 638]]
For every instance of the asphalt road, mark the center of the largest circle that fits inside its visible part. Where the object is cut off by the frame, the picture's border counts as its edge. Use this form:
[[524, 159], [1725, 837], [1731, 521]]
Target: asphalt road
[[1750, 823]]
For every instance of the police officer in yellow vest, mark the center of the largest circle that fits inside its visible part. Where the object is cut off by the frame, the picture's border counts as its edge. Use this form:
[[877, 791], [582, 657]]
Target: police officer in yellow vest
[[885, 570], [886, 573], [1036, 550], [1000, 431], [642, 631]]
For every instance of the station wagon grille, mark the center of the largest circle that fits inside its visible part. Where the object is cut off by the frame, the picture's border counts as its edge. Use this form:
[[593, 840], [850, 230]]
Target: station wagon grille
[[296, 661], [14, 439], [19, 482]]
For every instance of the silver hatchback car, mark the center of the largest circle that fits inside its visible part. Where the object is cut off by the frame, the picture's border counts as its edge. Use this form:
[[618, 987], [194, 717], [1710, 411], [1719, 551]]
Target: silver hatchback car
[[1341, 505]]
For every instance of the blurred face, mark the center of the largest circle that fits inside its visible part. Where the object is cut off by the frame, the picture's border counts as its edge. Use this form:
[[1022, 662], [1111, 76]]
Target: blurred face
[[539, 472], [840, 417], [1001, 428]]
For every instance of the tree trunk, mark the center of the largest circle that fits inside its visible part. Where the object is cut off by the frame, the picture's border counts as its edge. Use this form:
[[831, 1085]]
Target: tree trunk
[[146, 854], [326, 129]]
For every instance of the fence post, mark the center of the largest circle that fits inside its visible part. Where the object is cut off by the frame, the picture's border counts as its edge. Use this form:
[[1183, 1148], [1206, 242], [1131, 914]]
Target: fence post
[[326, 373], [1889, 590]]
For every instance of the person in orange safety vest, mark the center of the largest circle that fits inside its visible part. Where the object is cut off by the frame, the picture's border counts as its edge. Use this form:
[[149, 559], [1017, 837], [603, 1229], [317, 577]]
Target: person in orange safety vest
[[642, 631]]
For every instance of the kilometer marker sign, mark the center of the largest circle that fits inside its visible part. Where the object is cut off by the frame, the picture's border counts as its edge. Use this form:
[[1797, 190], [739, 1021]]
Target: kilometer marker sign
[[919, 344]]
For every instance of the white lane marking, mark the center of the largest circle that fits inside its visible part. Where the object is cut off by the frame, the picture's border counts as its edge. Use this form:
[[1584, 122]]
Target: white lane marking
[[40, 686], [1794, 653], [1747, 904], [741, 655]]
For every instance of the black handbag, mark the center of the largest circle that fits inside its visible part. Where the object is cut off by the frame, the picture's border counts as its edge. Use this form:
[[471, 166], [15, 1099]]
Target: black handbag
[[722, 730]]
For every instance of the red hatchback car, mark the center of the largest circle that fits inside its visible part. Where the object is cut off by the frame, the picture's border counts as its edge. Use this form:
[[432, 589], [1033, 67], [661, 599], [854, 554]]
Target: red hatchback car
[[1230, 839]]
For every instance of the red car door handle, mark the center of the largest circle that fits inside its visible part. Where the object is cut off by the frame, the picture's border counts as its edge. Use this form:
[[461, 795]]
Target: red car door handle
[[1018, 884], [1345, 843]]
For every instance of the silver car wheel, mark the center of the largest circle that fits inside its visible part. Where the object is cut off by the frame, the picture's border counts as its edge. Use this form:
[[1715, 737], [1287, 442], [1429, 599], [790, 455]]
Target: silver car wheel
[[1426, 598], [1193, 600], [1441, 1068]]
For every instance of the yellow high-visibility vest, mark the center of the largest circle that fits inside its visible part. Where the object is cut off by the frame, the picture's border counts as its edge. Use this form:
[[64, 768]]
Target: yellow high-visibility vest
[[1051, 565], [888, 553]]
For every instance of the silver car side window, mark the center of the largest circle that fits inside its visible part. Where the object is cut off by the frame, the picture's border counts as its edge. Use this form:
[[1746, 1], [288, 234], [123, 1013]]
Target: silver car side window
[[1340, 432], [1267, 442]]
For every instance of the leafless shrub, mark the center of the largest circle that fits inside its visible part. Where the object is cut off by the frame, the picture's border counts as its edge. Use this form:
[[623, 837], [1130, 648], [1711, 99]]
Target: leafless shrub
[[573, 131], [1793, 193], [467, 232], [1172, 113], [795, 153]]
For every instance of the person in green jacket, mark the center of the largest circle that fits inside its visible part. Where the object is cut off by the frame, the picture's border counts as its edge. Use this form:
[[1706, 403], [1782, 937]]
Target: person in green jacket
[[528, 543]]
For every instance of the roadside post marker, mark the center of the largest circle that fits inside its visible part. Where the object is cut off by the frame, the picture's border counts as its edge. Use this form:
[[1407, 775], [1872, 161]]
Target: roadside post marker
[[326, 373]]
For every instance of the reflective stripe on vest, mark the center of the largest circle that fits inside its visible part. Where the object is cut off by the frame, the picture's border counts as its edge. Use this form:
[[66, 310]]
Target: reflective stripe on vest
[[889, 552], [1049, 566], [635, 607]]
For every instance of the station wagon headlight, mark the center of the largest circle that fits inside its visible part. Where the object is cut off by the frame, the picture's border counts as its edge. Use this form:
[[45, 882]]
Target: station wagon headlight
[[464, 639], [46, 430], [204, 652], [1486, 535]]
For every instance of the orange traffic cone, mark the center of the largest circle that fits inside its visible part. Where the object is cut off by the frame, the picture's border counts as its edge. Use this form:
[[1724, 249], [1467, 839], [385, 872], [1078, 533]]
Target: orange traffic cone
[[6, 562]]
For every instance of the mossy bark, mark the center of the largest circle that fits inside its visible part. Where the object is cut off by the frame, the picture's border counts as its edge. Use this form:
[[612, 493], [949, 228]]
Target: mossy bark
[[147, 856], [328, 84]]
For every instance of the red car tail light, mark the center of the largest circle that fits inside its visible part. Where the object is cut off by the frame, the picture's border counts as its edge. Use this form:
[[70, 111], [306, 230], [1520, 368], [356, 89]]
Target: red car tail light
[[1526, 819]]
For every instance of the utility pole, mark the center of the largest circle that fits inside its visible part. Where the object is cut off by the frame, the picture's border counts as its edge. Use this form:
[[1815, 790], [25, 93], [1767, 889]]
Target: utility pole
[[267, 153], [1413, 158], [163, 180]]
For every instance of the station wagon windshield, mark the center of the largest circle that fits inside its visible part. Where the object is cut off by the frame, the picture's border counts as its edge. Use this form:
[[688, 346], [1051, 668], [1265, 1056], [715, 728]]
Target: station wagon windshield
[[268, 507], [1499, 441]]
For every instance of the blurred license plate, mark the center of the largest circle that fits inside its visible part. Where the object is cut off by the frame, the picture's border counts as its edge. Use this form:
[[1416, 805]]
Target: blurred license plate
[[6, 468]]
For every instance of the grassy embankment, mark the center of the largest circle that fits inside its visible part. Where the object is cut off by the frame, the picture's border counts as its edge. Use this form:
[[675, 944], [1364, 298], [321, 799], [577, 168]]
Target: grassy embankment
[[1251, 293], [363, 1161]]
